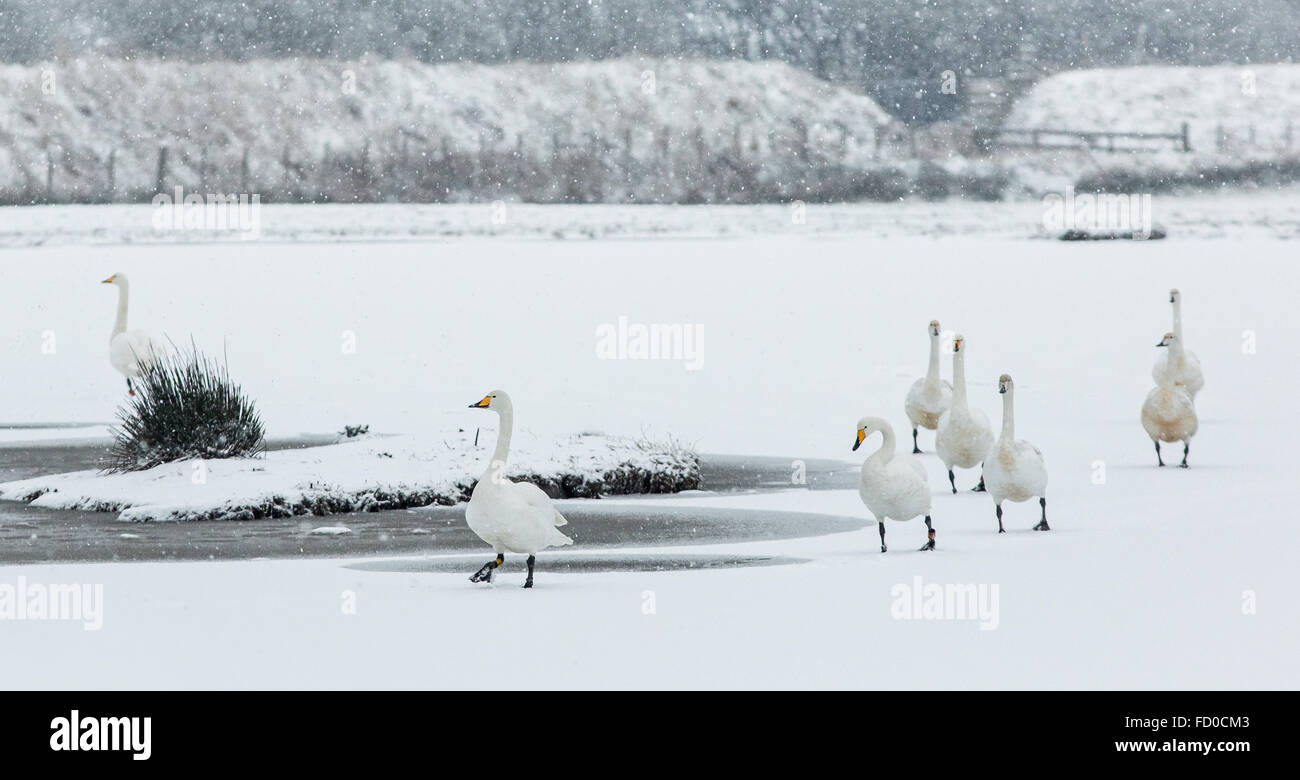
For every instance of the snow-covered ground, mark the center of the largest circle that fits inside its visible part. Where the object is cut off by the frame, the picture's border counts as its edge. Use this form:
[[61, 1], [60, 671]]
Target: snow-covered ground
[[54, 434], [1151, 578], [1140, 585], [366, 474], [1230, 214], [799, 335]]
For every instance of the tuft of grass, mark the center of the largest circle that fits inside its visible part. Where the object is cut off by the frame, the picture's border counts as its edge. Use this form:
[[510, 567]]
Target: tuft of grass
[[186, 407]]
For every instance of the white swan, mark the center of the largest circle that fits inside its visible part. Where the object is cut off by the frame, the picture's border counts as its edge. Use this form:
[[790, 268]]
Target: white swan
[[128, 350], [513, 517], [1014, 470], [930, 395], [1169, 414], [1182, 368], [964, 435], [892, 486]]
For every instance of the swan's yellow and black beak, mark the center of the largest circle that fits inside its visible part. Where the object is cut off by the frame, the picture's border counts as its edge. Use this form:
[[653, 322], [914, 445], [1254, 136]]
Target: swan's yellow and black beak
[[109, 280], [487, 399], [956, 345], [862, 434]]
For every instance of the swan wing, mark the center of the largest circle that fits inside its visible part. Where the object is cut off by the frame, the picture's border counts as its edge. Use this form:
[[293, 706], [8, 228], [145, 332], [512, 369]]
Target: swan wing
[[535, 497], [131, 350], [914, 465]]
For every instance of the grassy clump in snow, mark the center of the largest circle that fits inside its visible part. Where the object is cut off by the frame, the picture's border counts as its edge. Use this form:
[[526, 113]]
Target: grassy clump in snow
[[186, 407]]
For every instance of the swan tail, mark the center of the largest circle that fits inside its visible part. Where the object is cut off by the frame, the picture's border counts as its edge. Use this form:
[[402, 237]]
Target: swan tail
[[559, 518], [558, 539]]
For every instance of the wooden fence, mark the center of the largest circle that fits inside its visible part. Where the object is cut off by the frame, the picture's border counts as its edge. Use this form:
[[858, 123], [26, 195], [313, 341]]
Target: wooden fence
[[986, 138]]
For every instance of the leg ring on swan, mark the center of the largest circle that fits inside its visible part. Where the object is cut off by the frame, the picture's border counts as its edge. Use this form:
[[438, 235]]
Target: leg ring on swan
[[485, 574], [929, 544]]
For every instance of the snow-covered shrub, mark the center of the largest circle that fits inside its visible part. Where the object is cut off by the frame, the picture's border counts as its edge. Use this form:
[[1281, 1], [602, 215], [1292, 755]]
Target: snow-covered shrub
[[186, 407]]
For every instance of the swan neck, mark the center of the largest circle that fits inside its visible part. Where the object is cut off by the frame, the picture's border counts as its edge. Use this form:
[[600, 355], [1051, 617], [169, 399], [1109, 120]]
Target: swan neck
[[886, 451], [123, 293], [932, 373], [507, 425], [1178, 320], [959, 377], [1176, 350], [1008, 416]]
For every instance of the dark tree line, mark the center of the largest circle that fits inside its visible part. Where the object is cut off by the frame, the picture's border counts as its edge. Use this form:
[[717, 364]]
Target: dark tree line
[[871, 43]]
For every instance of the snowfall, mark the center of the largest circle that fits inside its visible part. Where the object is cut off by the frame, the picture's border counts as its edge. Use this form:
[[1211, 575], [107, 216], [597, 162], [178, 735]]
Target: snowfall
[[1150, 578]]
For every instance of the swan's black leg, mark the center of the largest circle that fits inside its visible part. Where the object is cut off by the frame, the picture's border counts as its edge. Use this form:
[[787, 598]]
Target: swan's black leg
[[1158, 458], [485, 574], [929, 544], [532, 559], [980, 487], [883, 548], [915, 447], [1186, 447], [1042, 524], [1001, 530], [952, 480]]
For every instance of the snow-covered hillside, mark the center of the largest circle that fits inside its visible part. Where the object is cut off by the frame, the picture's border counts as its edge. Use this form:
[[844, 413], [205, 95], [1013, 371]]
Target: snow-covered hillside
[[633, 129], [1158, 99], [1235, 114]]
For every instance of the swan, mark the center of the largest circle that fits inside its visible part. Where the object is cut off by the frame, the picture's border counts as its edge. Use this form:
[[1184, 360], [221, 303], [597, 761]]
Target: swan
[[1182, 368], [511, 516], [1169, 414], [129, 351], [1014, 470], [964, 435], [930, 395], [892, 486]]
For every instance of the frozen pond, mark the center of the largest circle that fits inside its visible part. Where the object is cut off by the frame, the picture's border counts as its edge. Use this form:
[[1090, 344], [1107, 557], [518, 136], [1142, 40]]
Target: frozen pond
[[33, 534]]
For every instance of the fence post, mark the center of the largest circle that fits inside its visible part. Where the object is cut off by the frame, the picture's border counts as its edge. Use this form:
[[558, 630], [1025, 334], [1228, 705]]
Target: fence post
[[1187, 140], [160, 179], [49, 176]]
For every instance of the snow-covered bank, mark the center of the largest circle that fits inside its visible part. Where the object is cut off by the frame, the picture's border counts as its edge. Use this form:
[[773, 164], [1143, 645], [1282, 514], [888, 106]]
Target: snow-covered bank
[[368, 474]]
